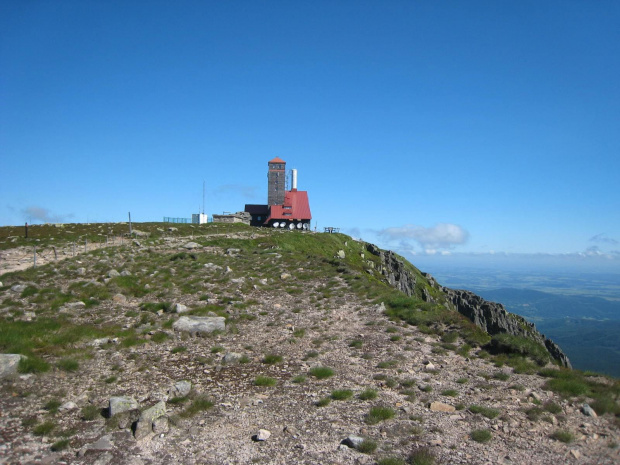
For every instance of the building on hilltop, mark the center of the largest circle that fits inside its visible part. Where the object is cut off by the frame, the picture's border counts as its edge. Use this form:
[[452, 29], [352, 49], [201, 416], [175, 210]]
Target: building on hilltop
[[285, 209]]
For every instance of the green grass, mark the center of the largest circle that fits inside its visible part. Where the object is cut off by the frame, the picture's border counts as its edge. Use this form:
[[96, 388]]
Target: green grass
[[480, 435], [341, 394], [90, 412], [178, 349], [508, 344], [323, 402], [272, 359], [484, 411], [367, 446], [391, 461], [378, 414], [43, 429], [60, 445], [68, 364], [322, 372], [422, 456], [299, 379], [368, 394], [199, 404], [449, 393], [52, 406], [261, 380], [563, 436]]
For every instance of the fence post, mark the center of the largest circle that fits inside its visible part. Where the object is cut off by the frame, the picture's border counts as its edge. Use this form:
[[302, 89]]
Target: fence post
[[55, 253]]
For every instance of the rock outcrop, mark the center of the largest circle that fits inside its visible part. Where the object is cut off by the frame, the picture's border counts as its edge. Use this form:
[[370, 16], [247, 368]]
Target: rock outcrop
[[492, 317]]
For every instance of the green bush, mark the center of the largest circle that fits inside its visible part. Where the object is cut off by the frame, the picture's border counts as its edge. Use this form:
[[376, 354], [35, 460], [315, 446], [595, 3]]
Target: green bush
[[323, 402], [272, 359], [378, 414], [422, 456], [341, 394], [484, 411], [198, 405], [44, 428], [321, 372], [563, 436], [60, 445], [481, 435], [264, 381], [367, 446], [368, 394], [90, 412]]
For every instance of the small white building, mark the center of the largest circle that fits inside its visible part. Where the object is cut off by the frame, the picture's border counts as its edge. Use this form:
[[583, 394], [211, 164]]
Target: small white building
[[199, 218]]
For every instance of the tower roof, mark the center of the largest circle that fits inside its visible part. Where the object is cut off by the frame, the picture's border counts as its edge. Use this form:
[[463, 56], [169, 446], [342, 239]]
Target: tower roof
[[277, 160]]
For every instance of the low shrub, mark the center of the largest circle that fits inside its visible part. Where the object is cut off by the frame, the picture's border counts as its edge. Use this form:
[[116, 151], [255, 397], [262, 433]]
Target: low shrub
[[378, 414], [509, 344], [484, 411], [321, 372], [341, 394], [563, 436], [368, 394], [264, 381], [480, 435]]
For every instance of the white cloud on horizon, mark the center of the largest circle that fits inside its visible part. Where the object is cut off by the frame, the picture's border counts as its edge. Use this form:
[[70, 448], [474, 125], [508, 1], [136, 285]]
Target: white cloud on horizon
[[440, 236], [603, 239]]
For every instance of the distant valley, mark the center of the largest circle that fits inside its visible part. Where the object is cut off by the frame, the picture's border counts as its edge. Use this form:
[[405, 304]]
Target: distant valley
[[587, 328]]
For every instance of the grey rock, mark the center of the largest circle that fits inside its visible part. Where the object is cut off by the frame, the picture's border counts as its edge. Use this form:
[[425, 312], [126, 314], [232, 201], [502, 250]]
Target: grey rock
[[67, 406], [113, 274], [81, 271], [75, 305], [200, 324], [104, 443], [180, 308], [125, 273], [144, 427], [160, 425], [352, 441], [231, 357], [191, 245], [233, 251], [341, 254], [119, 299], [588, 411], [180, 389], [126, 419], [9, 364], [262, 435], [18, 288], [121, 404]]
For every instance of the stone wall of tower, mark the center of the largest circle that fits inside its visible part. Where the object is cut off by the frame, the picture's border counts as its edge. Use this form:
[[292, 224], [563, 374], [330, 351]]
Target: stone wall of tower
[[276, 183]]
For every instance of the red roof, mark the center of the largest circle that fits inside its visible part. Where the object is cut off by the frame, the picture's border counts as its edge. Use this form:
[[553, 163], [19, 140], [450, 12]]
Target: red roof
[[295, 207], [277, 160]]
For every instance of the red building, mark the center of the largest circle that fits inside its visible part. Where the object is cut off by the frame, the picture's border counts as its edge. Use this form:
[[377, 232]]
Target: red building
[[284, 209]]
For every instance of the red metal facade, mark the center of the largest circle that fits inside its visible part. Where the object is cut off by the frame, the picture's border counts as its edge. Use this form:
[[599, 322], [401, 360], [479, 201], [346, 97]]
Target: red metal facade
[[296, 207]]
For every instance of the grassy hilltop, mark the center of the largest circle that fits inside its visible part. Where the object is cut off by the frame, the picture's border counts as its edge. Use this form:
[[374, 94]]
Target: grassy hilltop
[[314, 336]]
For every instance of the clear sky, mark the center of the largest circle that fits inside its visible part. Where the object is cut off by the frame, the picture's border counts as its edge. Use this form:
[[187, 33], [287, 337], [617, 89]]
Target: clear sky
[[453, 127]]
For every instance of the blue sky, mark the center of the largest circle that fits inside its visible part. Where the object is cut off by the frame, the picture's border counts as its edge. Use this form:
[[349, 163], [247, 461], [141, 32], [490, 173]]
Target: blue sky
[[438, 129]]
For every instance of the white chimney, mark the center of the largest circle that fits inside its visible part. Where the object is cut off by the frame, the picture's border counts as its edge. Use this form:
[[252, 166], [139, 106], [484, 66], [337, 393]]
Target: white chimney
[[294, 181]]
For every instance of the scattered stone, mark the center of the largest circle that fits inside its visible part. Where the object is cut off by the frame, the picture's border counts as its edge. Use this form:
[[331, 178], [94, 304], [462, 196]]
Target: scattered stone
[[9, 364], [352, 441], [180, 308], [575, 453], [113, 274], [233, 251], [67, 406], [180, 389], [285, 276], [104, 443], [121, 404], [429, 367], [228, 270], [588, 411], [191, 245], [231, 357], [262, 435], [200, 324], [126, 419], [81, 271], [161, 425], [441, 407], [19, 288], [75, 305], [144, 426], [341, 254], [125, 273], [119, 299]]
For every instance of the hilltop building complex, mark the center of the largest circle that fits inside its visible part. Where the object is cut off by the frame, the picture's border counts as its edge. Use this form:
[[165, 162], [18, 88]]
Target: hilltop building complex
[[285, 208]]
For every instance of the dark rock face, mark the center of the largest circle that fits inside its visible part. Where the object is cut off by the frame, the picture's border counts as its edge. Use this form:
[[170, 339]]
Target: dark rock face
[[393, 269], [492, 317]]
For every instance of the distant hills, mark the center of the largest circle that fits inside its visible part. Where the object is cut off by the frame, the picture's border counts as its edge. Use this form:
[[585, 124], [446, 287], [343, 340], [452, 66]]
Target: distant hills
[[586, 328]]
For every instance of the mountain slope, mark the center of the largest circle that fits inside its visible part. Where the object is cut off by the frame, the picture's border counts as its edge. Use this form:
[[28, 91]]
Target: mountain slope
[[317, 346]]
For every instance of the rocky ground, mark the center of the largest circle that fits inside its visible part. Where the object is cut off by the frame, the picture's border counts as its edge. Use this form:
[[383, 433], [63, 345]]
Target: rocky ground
[[256, 394]]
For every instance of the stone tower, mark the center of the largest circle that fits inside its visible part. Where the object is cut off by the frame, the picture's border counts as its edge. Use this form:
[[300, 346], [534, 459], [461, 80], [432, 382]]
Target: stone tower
[[276, 181]]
